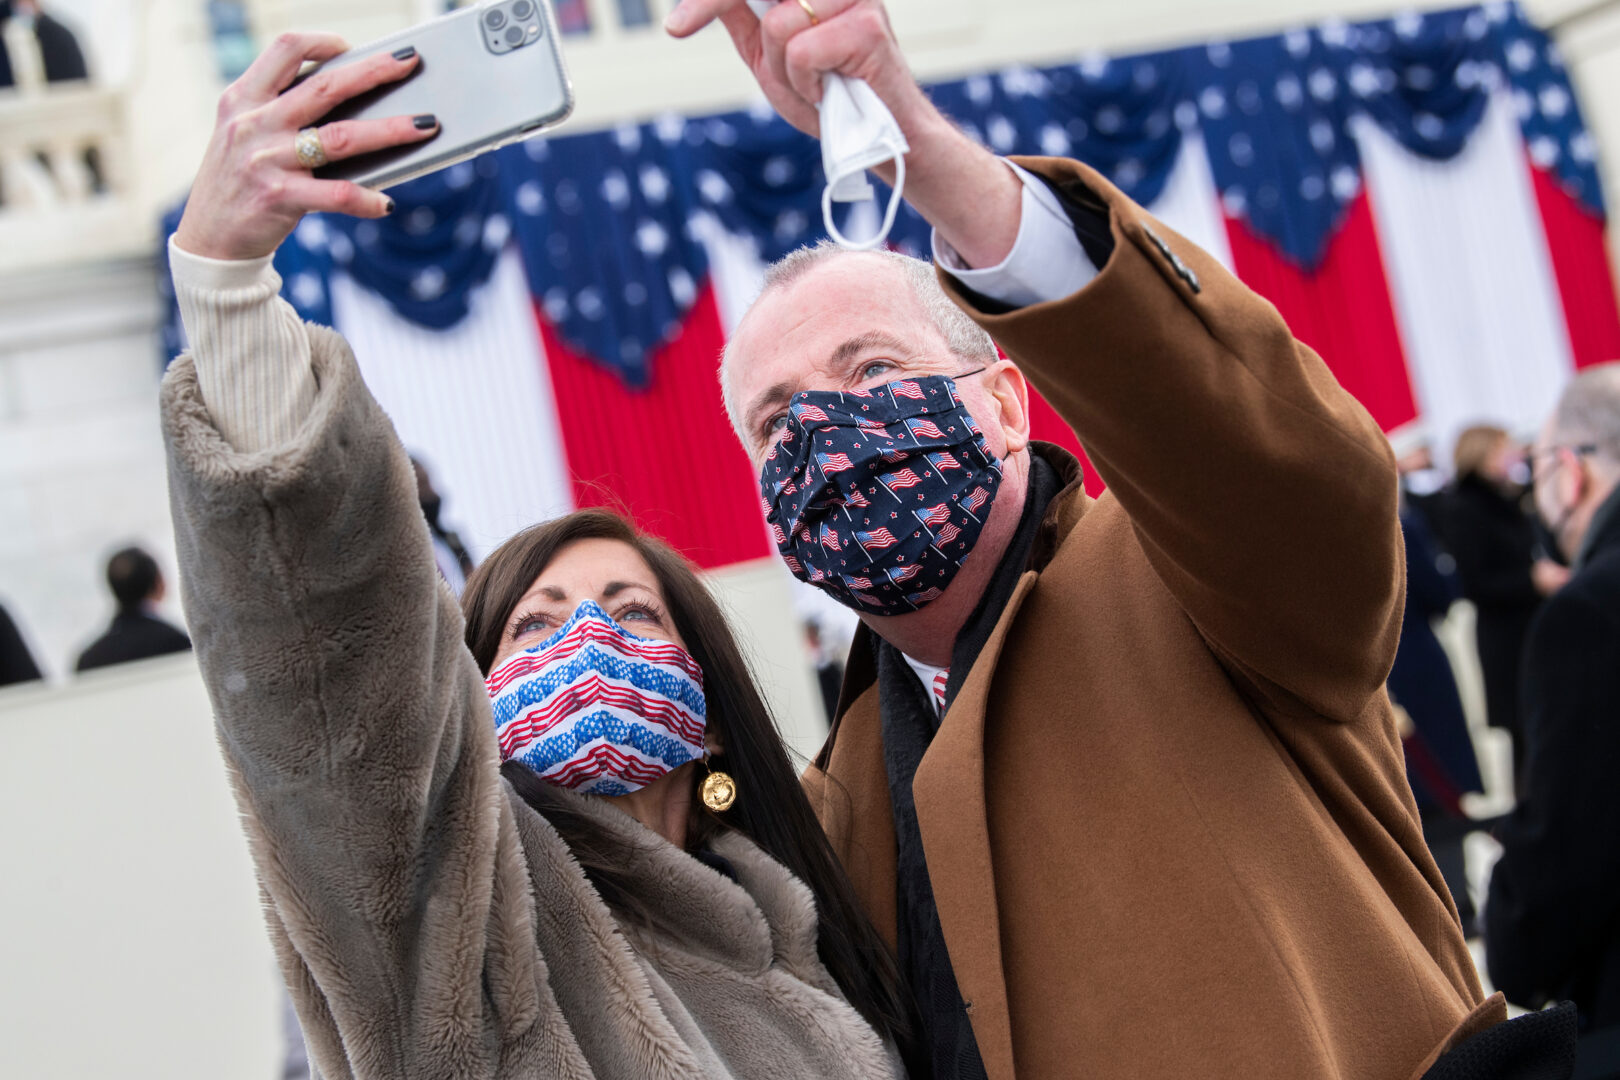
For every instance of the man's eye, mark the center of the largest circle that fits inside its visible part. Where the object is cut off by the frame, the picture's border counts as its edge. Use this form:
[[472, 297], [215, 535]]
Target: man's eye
[[774, 426], [876, 369]]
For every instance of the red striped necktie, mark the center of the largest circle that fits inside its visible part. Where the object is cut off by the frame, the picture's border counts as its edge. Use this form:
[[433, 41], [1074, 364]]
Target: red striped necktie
[[940, 680]]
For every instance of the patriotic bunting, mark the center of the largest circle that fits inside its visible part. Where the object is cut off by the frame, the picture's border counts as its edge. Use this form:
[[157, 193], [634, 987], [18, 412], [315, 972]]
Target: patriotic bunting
[[1418, 196]]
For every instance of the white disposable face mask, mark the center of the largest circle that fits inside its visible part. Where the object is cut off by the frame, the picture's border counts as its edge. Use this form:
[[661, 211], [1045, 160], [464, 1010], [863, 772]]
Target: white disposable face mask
[[858, 132]]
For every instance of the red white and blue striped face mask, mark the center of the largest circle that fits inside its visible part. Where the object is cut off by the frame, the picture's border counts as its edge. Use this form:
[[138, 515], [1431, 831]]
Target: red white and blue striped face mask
[[598, 709], [876, 496]]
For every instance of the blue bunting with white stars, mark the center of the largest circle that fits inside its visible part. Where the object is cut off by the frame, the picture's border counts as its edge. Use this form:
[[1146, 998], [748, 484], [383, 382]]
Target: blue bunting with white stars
[[608, 222]]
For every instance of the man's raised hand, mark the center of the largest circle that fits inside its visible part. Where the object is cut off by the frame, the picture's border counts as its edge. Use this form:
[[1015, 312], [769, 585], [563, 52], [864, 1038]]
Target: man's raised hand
[[790, 55], [956, 185]]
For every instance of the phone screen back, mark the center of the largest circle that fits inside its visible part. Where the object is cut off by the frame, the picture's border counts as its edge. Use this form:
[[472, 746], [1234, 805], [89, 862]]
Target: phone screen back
[[482, 99]]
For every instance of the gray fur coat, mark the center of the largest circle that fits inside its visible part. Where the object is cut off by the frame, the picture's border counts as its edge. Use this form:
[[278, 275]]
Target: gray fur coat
[[430, 923]]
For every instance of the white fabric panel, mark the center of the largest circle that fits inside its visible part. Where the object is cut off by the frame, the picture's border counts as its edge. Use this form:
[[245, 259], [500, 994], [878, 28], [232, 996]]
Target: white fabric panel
[[1191, 204], [735, 268], [474, 402], [1471, 278]]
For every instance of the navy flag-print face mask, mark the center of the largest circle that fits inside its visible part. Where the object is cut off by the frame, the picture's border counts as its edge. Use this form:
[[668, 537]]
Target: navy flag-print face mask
[[876, 496]]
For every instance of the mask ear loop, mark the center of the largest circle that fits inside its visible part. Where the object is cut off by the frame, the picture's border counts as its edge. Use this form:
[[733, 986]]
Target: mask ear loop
[[888, 215]]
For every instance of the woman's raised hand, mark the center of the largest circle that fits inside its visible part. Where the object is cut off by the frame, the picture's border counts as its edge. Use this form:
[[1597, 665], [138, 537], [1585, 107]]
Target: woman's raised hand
[[251, 189]]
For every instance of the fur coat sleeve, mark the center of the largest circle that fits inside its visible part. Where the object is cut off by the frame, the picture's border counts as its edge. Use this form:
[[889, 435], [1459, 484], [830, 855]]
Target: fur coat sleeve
[[357, 733]]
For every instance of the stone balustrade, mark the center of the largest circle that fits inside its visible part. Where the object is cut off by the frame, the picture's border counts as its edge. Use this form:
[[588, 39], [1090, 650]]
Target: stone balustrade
[[64, 175]]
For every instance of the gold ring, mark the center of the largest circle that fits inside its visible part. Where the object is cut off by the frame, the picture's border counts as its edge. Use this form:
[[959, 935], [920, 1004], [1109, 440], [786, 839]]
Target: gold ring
[[307, 145], [815, 20]]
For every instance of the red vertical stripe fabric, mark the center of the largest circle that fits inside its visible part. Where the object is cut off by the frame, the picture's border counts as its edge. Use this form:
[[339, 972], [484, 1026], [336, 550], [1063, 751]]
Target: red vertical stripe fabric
[[1045, 424], [1580, 262], [1342, 310], [666, 456]]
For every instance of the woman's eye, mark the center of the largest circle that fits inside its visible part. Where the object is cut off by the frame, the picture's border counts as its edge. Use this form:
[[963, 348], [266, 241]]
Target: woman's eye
[[529, 625], [875, 369], [637, 613]]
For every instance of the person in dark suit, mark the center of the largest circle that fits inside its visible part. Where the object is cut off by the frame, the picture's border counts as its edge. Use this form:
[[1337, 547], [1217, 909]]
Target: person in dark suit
[[1440, 761], [1484, 526], [16, 662], [135, 634], [1552, 921], [58, 48]]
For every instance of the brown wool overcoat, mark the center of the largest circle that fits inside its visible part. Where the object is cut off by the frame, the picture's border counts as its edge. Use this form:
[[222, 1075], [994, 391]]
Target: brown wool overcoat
[[1166, 818]]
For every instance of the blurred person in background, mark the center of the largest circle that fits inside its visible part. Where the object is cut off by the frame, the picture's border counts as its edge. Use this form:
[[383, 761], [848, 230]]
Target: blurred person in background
[[829, 669], [1552, 918], [455, 563], [1440, 761], [58, 48], [1484, 524], [1423, 487], [136, 632], [16, 662]]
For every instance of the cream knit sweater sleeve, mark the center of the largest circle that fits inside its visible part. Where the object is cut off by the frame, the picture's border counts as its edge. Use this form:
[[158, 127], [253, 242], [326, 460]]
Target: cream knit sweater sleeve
[[249, 345]]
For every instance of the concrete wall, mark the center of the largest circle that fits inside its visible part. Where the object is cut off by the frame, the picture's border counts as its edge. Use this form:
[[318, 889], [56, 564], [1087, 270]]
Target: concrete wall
[[134, 947]]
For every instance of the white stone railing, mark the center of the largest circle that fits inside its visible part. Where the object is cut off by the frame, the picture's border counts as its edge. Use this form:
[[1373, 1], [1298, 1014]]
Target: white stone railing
[[64, 153]]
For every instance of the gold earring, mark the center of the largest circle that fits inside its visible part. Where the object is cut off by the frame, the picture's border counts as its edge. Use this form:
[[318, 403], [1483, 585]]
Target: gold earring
[[719, 790]]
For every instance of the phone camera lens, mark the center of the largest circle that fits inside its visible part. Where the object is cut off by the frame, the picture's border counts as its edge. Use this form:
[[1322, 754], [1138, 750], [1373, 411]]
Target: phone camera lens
[[495, 19], [522, 9], [514, 35]]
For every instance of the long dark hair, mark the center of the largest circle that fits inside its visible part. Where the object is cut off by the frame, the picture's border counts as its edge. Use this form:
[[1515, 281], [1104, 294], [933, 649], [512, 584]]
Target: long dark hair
[[771, 809]]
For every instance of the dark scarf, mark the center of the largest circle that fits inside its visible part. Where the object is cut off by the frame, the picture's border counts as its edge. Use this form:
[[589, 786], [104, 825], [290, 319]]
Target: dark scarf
[[909, 724]]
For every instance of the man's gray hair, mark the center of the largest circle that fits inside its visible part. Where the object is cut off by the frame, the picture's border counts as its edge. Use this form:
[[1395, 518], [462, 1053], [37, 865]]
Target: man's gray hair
[[1588, 412], [962, 335]]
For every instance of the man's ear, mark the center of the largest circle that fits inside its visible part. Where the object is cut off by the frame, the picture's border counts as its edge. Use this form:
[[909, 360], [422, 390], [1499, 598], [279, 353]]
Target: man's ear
[[1580, 477], [1011, 393]]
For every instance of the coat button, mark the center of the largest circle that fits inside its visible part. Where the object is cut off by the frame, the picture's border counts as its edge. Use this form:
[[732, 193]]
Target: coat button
[[1183, 271]]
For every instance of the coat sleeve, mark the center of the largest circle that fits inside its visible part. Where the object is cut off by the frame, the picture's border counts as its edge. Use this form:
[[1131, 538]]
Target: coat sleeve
[[1263, 493], [357, 733], [1555, 893]]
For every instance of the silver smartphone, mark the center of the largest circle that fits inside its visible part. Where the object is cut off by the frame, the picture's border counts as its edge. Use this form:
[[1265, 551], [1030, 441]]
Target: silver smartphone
[[492, 73]]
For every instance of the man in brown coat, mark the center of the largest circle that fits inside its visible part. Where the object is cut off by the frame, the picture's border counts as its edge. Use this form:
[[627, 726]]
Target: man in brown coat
[[1125, 790]]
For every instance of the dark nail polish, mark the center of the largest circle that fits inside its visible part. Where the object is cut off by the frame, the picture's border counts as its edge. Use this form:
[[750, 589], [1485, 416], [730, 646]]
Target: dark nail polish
[[426, 122], [406, 53], [388, 207]]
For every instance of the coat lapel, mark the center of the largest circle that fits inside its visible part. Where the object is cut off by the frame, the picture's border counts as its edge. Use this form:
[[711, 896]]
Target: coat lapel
[[848, 787], [950, 795]]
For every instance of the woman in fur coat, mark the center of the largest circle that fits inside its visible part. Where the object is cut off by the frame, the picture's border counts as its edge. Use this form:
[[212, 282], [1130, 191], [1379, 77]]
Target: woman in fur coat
[[552, 833]]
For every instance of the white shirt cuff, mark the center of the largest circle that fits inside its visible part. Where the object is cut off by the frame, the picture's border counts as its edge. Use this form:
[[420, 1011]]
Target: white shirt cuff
[[202, 274], [1046, 261]]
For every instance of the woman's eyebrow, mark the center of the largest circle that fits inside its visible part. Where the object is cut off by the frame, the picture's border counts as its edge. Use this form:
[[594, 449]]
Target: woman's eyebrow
[[614, 588]]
